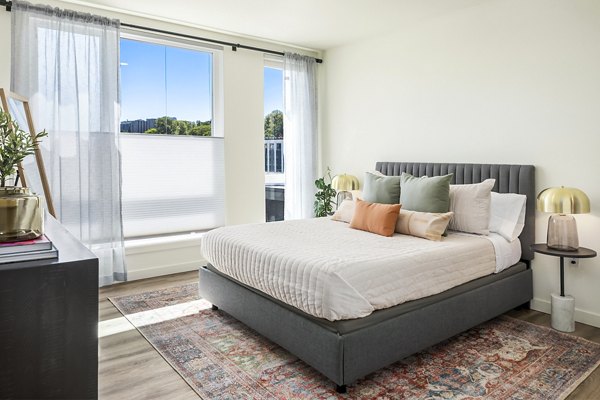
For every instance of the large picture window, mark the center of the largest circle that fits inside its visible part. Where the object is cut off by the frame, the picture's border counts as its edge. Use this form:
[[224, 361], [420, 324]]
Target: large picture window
[[171, 143]]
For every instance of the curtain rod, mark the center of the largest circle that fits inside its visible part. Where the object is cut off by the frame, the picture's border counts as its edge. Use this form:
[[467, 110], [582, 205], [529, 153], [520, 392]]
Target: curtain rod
[[234, 46]]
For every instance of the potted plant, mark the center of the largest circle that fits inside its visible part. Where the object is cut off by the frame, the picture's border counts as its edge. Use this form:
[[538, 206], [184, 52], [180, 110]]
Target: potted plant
[[21, 216], [324, 197]]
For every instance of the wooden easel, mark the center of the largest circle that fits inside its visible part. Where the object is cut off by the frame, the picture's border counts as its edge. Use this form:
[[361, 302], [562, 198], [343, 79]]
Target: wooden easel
[[4, 96]]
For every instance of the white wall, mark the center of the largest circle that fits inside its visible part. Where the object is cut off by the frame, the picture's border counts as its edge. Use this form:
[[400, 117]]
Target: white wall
[[506, 81], [243, 129], [244, 136]]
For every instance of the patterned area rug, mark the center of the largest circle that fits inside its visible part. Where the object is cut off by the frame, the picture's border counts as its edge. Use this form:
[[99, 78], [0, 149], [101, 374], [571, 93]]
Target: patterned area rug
[[220, 358]]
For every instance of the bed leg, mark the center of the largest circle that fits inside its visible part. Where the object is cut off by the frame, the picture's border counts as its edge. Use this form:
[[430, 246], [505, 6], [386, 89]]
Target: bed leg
[[213, 307], [524, 306], [340, 388]]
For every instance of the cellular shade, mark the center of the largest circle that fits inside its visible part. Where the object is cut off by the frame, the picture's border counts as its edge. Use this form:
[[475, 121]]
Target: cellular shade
[[172, 184]]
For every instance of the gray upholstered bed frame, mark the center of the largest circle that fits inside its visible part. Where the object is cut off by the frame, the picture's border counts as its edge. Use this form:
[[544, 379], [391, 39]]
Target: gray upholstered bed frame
[[345, 351]]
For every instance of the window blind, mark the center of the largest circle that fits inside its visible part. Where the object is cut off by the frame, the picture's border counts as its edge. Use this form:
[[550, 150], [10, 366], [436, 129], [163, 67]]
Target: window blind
[[172, 184]]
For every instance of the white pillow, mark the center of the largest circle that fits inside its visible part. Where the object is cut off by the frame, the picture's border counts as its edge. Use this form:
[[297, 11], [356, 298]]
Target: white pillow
[[507, 216], [471, 207]]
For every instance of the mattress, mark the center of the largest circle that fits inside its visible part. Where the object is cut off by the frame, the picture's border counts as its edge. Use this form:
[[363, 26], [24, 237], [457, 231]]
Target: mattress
[[330, 271], [507, 253]]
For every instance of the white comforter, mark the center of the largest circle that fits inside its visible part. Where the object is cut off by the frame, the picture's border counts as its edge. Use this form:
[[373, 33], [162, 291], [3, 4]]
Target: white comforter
[[331, 271]]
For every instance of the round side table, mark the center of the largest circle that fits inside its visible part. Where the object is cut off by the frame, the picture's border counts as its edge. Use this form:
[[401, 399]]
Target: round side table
[[563, 307]]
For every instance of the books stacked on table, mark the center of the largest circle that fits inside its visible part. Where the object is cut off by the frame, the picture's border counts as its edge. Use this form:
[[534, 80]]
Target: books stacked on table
[[28, 250]]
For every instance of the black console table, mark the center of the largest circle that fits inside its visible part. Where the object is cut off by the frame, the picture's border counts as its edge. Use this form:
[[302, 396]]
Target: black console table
[[49, 323]]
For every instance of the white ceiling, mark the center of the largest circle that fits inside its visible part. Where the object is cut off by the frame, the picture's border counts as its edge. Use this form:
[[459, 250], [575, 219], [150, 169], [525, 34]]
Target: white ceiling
[[311, 24]]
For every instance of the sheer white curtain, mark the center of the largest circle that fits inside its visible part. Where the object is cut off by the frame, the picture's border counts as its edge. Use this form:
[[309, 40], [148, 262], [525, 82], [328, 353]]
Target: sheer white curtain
[[300, 135], [67, 64]]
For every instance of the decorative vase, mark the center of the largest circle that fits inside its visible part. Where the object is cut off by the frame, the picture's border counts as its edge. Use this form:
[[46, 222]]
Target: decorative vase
[[21, 214]]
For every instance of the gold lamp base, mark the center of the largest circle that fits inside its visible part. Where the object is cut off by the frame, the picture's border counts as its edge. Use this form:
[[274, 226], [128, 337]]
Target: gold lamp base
[[562, 233], [21, 216]]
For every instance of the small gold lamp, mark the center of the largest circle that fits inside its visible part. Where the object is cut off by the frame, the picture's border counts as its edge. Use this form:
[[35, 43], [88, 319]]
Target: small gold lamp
[[343, 184], [562, 228]]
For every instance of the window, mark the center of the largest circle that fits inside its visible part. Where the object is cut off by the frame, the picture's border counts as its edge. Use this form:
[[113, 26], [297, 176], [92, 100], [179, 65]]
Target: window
[[274, 170], [171, 143]]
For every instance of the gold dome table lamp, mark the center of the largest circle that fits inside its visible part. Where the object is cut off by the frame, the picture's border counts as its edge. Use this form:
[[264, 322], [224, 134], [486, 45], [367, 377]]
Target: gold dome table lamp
[[343, 184], [562, 228], [562, 241]]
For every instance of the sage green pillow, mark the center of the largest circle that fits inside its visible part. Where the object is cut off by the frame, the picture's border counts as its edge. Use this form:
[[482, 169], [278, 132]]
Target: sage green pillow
[[425, 194], [379, 188]]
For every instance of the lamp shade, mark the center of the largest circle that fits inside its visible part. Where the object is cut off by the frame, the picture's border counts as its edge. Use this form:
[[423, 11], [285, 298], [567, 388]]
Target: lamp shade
[[344, 183], [563, 200]]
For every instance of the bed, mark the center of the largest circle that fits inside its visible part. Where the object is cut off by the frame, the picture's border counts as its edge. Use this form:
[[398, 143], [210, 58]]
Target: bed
[[347, 349]]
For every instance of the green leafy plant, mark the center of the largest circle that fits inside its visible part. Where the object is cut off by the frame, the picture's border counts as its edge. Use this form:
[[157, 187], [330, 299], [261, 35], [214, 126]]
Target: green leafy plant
[[324, 197], [15, 145], [274, 125]]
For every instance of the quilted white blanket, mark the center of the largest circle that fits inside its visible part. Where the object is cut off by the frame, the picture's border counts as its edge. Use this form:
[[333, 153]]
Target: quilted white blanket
[[331, 271]]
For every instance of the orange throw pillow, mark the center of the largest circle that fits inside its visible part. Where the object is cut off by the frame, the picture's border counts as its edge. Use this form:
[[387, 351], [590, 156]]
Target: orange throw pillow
[[375, 218]]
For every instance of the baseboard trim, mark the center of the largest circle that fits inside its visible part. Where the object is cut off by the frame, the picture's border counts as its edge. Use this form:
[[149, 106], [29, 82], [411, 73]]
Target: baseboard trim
[[583, 316], [147, 258], [164, 270]]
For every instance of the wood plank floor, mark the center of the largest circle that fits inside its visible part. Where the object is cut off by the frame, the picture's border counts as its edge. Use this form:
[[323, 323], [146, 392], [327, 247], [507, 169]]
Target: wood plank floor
[[130, 368]]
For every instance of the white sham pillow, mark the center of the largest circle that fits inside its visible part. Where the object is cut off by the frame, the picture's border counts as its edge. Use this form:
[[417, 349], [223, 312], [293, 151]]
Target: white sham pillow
[[507, 214], [470, 204]]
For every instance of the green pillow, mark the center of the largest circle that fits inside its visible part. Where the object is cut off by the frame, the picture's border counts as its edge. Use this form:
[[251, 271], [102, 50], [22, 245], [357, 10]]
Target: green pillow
[[381, 189], [425, 194]]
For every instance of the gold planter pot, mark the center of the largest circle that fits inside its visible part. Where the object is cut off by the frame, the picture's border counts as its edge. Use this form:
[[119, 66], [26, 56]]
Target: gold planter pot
[[21, 214]]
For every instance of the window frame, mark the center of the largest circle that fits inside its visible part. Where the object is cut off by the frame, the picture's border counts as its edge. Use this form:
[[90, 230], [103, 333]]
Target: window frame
[[273, 61]]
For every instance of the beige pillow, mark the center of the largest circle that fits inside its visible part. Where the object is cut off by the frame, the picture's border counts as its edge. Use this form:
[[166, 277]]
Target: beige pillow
[[471, 207], [345, 211], [356, 194], [375, 217], [421, 224]]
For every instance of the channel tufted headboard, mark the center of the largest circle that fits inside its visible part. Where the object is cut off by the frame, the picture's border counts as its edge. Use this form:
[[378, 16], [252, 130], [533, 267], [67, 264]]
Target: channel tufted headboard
[[509, 179]]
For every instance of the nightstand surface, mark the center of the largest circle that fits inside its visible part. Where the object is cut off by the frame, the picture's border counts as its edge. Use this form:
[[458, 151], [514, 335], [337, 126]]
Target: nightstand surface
[[581, 252]]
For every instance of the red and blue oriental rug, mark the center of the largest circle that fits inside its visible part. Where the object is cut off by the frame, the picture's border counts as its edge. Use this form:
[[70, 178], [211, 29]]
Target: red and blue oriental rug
[[220, 358]]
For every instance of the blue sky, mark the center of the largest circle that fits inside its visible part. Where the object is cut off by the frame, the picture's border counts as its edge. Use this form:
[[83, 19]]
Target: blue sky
[[158, 80], [273, 90]]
